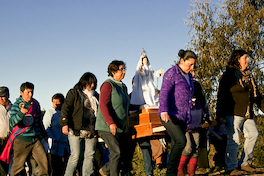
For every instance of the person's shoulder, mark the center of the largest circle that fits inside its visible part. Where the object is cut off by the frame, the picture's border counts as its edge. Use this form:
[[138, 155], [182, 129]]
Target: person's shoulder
[[35, 101], [2, 108], [173, 68], [51, 110], [230, 71], [107, 83], [106, 86], [172, 72], [124, 85], [72, 91], [110, 81], [17, 102], [229, 74], [197, 83]]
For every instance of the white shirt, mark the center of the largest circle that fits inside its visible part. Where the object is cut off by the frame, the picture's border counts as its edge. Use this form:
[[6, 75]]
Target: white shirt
[[4, 120]]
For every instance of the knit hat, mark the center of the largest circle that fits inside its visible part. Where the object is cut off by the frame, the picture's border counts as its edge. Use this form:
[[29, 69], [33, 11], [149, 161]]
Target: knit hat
[[4, 92]]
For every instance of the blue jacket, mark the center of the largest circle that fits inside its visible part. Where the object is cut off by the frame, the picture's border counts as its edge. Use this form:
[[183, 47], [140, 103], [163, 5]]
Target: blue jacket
[[54, 130]]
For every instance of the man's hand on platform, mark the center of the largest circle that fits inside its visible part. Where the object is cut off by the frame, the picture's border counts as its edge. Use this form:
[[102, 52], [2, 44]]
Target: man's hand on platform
[[165, 117], [113, 129]]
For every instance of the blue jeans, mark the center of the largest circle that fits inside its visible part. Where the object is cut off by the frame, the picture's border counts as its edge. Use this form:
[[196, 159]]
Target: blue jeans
[[75, 146], [234, 126], [118, 146], [147, 156], [105, 153], [176, 131]]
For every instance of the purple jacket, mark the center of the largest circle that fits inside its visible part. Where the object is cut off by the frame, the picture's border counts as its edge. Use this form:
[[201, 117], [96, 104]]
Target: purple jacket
[[176, 95]]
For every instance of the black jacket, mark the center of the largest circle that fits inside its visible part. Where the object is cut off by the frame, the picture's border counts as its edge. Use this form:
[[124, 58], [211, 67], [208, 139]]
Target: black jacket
[[232, 98], [72, 110]]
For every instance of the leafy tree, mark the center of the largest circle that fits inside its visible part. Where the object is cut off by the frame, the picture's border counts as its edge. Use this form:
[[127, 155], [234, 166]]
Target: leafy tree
[[216, 29]]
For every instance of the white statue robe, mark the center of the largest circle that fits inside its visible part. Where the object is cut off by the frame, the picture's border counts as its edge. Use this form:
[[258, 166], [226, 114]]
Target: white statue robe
[[143, 86]]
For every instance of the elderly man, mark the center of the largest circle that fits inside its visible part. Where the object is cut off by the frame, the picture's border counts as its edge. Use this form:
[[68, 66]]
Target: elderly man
[[5, 109]]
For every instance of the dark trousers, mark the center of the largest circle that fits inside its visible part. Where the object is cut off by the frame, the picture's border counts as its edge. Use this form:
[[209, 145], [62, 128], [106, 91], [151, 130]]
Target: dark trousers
[[3, 165], [203, 161], [22, 150], [220, 148], [176, 131], [118, 146], [58, 164]]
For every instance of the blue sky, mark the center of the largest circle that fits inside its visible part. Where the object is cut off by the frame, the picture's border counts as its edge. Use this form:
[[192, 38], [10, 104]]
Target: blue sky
[[52, 43]]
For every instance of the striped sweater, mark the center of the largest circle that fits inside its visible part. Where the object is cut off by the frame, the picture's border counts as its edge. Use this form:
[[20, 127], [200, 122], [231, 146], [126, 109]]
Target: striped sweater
[[32, 134]]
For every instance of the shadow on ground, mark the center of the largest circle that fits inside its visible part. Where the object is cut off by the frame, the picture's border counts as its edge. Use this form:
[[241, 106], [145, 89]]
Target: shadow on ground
[[259, 171]]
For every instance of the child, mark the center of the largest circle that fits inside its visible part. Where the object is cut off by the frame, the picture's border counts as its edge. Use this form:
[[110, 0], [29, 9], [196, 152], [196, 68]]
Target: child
[[218, 137]]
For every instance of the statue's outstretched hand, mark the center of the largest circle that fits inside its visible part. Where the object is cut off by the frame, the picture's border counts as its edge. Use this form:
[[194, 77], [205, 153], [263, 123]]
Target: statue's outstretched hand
[[140, 68]]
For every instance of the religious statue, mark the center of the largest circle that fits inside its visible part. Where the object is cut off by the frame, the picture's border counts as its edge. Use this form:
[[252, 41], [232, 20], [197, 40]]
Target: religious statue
[[144, 89]]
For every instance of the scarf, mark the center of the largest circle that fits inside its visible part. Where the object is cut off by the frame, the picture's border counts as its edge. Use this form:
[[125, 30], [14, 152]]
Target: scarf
[[93, 99], [245, 77]]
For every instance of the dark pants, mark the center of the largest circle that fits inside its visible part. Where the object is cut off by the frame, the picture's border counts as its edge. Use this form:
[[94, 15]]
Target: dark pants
[[203, 161], [3, 165], [22, 150], [220, 148], [176, 131], [118, 146], [59, 164]]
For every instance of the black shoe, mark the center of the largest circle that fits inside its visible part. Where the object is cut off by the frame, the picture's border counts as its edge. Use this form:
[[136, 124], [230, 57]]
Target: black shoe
[[159, 166], [126, 174]]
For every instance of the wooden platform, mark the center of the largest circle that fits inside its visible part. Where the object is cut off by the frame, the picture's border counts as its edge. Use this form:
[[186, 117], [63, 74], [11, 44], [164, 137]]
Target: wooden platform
[[146, 124], [206, 125], [150, 129]]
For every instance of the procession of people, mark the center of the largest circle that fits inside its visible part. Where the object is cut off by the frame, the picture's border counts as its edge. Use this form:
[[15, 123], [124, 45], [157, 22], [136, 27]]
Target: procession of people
[[64, 141]]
